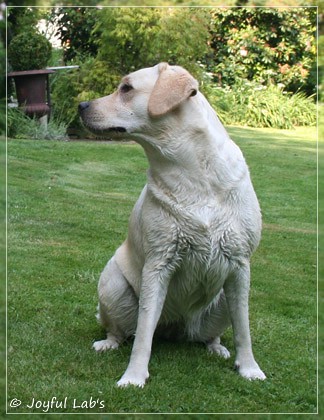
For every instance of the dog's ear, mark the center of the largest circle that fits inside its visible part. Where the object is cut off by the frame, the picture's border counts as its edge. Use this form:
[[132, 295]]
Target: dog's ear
[[173, 86]]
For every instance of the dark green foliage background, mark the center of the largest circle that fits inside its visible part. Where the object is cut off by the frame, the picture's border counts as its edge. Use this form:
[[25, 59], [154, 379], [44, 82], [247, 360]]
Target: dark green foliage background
[[280, 45]]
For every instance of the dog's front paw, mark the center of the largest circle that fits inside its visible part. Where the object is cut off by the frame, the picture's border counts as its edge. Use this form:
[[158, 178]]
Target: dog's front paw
[[111, 342], [133, 379], [251, 371]]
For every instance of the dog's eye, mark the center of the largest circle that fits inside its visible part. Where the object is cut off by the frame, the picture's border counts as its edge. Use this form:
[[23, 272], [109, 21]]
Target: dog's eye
[[125, 88]]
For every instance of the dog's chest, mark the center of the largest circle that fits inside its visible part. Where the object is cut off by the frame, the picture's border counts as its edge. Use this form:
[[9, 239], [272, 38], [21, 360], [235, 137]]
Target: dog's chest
[[209, 238], [207, 252]]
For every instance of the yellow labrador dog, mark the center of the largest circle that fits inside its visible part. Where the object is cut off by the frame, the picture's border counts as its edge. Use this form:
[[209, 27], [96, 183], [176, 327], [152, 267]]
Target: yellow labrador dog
[[184, 268]]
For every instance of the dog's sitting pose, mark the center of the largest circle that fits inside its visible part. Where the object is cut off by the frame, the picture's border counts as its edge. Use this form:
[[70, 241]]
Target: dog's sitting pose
[[185, 265]]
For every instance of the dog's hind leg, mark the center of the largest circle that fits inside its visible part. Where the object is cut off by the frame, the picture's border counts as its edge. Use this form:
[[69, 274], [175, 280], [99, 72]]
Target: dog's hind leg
[[118, 307], [215, 346], [220, 318], [209, 327]]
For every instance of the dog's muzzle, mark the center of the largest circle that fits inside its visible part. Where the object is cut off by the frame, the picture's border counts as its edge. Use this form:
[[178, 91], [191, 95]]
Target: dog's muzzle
[[83, 106]]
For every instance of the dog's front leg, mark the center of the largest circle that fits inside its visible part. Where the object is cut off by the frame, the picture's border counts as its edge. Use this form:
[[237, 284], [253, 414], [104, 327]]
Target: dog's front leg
[[152, 296], [236, 290]]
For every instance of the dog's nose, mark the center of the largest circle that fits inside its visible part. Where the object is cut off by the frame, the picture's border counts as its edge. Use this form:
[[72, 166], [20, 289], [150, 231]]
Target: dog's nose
[[83, 106]]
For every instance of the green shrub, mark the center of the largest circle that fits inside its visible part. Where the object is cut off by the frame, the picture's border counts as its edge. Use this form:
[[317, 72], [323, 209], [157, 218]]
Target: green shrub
[[132, 38], [29, 51], [267, 45], [247, 103], [20, 126], [92, 80], [65, 87]]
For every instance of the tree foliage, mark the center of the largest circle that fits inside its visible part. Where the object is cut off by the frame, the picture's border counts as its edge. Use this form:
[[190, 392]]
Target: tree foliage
[[264, 45], [131, 38], [74, 29], [23, 19], [220, 46]]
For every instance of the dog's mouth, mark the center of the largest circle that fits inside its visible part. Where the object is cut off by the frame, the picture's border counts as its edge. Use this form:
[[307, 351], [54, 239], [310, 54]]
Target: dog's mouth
[[112, 131], [117, 129], [104, 131]]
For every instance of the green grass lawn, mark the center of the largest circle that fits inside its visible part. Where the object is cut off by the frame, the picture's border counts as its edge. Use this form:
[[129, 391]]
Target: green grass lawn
[[68, 209]]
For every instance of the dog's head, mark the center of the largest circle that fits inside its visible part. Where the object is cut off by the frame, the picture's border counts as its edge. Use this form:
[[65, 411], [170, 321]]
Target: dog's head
[[142, 98]]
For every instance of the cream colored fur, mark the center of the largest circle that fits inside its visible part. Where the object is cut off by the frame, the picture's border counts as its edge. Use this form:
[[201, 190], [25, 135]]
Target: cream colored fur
[[184, 269]]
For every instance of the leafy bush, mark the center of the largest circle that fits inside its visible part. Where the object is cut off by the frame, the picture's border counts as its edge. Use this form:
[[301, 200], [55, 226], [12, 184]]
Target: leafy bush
[[242, 49], [66, 105], [20, 126], [251, 104], [90, 81], [29, 51], [131, 38], [267, 45]]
